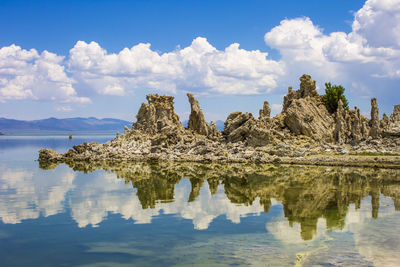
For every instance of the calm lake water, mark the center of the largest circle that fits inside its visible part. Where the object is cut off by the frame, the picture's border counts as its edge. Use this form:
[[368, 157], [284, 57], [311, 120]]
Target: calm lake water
[[168, 214]]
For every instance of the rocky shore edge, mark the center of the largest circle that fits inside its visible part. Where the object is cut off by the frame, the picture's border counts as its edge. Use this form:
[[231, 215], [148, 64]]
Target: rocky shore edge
[[305, 133]]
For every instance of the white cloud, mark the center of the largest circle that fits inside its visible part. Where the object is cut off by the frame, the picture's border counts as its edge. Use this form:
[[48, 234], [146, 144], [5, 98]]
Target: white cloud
[[368, 56], [26, 74], [378, 21], [365, 56], [198, 67]]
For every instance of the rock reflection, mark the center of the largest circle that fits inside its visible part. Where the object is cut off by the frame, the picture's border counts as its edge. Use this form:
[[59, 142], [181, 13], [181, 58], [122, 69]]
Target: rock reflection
[[307, 193]]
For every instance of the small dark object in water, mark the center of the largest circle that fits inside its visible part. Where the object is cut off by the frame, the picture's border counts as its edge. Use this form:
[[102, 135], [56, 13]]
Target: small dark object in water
[[70, 137]]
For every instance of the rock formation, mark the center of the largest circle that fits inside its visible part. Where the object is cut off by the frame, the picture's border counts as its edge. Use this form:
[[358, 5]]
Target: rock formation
[[158, 115], [197, 122], [237, 126], [302, 130], [305, 113], [339, 131], [265, 112], [392, 127], [374, 131], [350, 126]]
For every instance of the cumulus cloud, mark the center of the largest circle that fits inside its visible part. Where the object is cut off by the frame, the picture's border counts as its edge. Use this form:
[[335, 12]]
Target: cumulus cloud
[[368, 57], [364, 56], [378, 21], [26, 74], [199, 67]]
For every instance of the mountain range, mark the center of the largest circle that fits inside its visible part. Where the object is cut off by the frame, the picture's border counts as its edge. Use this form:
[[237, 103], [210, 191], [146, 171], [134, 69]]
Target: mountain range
[[54, 125], [11, 126]]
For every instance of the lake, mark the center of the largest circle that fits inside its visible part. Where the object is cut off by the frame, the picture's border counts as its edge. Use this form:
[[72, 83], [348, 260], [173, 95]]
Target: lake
[[166, 214]]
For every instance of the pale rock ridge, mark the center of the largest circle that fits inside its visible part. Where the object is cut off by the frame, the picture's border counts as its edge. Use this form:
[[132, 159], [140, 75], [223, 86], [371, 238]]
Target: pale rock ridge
[[307, 89], [197, 122], [158, 115], [392, 127], [305, 113], [339, 132], [374, 131], [350, 126], [237, 126], [265, 112], [214, 131]]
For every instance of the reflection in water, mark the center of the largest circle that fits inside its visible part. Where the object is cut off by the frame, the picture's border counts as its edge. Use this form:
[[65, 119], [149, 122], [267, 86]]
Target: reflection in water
[[307, 193], [294, 214], [24, 194]]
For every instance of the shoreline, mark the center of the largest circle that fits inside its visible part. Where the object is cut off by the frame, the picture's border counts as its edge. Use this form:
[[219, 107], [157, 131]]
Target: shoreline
[[385, 162]]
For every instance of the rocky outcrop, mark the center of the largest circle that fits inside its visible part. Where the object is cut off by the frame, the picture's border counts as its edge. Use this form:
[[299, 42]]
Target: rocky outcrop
[[339, 125], [354, 124], [158, 115], [197, 122], [350, 126], [265, 112], [213, 131], [307, 89], [310, 118], [237, 126], [304, 112], [374, 131], [303, 129], [392, 127]]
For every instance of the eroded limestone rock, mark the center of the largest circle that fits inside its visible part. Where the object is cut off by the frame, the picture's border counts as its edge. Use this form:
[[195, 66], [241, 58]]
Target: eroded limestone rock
[[303, 128], [310, 118], [265, 112], [339, 125], [158, 115], [237, 126], [374, 131], [197, 122], [393, 124], [307, 87]]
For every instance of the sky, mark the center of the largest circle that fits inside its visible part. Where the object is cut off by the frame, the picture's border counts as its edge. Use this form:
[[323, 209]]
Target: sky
[[100, 58]]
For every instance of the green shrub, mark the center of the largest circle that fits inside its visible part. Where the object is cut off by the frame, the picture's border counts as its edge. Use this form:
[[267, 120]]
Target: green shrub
[[333, 93]]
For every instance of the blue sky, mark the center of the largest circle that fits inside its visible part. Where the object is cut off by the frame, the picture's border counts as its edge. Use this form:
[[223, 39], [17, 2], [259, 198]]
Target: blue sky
[[62, 77]]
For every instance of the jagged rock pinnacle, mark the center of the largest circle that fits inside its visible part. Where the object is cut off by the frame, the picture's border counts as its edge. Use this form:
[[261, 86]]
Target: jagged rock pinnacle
[[197, 122]]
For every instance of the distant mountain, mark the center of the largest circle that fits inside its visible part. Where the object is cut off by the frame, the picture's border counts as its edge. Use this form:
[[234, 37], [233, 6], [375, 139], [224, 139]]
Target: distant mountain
[[220, 124], [91, 124]]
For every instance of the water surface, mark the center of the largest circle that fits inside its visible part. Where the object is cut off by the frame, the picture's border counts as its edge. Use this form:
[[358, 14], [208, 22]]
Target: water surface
[[191, 214]]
